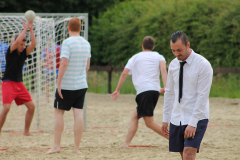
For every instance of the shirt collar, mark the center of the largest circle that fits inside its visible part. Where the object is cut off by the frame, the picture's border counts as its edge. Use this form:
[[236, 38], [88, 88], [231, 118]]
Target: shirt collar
[[190, 58]]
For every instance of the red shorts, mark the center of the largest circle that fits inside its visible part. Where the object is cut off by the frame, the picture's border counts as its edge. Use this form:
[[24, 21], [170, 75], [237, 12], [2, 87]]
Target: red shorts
[[15, 91]]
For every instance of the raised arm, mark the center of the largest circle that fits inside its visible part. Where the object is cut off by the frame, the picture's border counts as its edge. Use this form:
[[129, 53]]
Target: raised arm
[[31, 47], [122, 78], [19, 39]]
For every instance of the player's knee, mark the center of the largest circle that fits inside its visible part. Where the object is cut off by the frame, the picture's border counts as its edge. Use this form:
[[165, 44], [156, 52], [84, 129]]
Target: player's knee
[[6, 108], [149, 123], [189, 153], [31, 107]]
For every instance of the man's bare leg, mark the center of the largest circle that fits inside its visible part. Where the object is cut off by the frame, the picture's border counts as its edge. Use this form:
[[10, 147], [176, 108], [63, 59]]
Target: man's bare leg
[[132, 129], [149, 121], [78, 128], [58, 129], [28, 117], [3, 114], [189, 153]]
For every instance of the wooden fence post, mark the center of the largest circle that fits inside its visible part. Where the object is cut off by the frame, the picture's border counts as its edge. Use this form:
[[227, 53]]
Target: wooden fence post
[[110, 77]]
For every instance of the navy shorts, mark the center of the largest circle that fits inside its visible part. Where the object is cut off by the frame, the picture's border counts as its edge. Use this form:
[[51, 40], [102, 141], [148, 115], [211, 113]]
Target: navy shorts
[[176, 136], [146, 102], [71, 98]]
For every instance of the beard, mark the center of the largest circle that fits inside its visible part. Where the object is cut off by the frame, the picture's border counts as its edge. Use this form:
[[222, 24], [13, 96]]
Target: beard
[[183, 56]]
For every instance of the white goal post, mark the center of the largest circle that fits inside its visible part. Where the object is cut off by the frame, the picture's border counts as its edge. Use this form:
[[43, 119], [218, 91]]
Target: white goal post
[[40, 69]]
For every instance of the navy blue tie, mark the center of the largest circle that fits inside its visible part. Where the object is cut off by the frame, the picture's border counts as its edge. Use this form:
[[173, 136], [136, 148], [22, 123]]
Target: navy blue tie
[[181, 80]]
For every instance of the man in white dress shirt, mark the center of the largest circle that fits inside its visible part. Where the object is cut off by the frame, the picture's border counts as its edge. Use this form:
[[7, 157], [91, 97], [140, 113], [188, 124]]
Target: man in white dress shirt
[[186, 103]]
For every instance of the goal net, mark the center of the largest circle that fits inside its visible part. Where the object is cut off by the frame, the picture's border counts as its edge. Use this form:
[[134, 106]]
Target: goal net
[[41, 67]]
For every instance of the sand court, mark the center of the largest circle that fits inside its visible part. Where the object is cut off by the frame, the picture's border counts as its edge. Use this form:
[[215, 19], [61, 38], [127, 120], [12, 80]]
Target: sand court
[[107, 126]]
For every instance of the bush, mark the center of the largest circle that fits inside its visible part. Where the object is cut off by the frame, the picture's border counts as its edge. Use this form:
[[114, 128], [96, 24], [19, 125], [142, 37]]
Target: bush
[[211, 25]]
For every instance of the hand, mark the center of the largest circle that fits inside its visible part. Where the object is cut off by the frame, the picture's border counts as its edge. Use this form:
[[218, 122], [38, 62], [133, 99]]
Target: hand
[[24, 25], [189, 132], [165, 130], [30, 25], [115, 95], [59, 92], [162, 90]]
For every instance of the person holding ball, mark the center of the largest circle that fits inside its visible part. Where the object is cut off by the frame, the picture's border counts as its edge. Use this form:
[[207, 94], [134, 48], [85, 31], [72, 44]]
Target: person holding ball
[[12, 86]]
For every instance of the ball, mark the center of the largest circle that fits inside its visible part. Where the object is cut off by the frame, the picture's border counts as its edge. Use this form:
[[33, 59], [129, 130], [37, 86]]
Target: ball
[[30, 15]]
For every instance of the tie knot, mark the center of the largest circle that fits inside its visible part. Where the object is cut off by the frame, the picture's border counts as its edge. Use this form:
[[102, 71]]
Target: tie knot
[[182, 63]]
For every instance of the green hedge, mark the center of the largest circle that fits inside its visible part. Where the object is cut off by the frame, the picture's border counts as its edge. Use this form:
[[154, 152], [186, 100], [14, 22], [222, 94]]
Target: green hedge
[[213, 28]]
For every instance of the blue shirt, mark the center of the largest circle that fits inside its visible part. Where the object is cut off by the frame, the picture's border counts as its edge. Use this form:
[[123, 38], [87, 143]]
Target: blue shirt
[[3, 51]]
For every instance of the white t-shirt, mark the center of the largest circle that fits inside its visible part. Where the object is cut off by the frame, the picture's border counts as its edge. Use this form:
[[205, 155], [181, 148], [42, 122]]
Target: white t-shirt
[[145, 70], [77, 50]]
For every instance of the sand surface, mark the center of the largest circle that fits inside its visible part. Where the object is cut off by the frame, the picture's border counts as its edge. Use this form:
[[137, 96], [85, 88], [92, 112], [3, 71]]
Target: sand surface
[[107, 126]]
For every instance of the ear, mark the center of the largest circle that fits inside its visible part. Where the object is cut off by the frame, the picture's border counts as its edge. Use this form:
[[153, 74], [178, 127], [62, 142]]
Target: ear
[[143, 48], [153, 48], [188, 44]]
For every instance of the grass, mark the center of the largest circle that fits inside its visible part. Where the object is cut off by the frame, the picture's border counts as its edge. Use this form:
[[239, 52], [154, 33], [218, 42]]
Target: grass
[[225, 85], [98, 83]]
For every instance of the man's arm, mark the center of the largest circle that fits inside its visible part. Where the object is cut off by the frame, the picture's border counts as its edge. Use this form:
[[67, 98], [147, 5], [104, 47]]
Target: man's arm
[[163, 69], [88, 65], [203, 90], [19, 38], [122, 78], [62, 70], [31, 47]]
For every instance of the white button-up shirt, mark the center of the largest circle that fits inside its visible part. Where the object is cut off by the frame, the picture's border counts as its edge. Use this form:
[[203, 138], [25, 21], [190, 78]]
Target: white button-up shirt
[[194, 104]]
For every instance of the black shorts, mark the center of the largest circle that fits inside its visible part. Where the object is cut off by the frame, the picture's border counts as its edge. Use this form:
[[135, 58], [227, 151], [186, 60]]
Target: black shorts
[[146, 103], [71, 98], [176, 136]]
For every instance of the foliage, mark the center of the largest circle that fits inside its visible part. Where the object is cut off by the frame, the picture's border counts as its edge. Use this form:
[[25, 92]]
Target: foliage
[[211, 25], [113, 34], [222, 46], [93, 7]]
